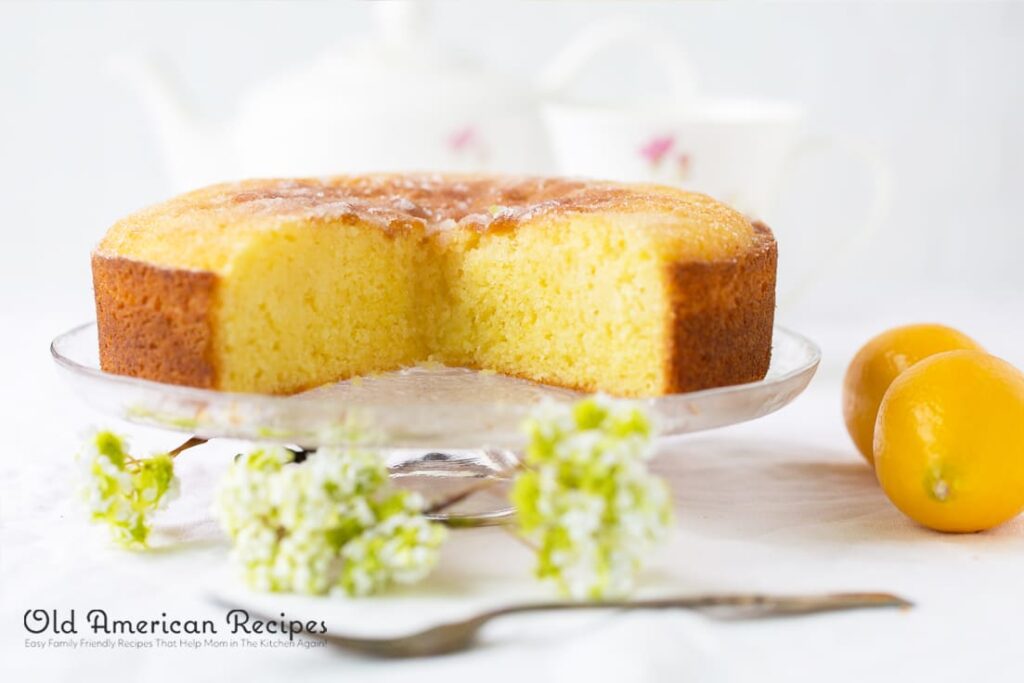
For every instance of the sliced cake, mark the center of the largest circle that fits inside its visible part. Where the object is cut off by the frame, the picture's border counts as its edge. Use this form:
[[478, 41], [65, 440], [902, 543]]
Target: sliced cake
[[275, 286]]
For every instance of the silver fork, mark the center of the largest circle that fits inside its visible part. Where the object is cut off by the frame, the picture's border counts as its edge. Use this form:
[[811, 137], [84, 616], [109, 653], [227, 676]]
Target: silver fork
[[460, 635]]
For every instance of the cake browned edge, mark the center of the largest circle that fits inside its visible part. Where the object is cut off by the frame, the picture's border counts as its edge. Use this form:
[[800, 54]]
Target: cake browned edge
[[154, 322], [722, 315]]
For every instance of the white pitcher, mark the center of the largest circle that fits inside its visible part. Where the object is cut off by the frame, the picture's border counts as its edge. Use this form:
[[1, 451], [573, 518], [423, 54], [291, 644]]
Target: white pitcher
[[741, 151]]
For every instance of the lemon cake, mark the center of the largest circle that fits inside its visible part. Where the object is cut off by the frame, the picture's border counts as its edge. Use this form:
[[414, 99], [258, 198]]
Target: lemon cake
[[276, 286]]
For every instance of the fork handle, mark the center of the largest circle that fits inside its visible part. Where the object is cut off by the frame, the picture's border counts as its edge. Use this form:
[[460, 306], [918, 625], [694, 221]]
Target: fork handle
[[766, 604]]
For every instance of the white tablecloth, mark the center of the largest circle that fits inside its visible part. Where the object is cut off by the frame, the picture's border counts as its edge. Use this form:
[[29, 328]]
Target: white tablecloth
[[783, 504]]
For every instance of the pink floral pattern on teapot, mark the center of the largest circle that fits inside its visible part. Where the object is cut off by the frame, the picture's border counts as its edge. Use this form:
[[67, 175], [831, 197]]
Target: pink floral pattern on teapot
[[466, 141]]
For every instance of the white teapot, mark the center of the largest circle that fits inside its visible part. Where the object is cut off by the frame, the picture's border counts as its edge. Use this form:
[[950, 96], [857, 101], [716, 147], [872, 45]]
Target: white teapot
[[391, 102]]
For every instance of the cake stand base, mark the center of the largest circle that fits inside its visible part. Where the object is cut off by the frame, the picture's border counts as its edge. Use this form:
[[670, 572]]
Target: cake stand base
[[461, 487]]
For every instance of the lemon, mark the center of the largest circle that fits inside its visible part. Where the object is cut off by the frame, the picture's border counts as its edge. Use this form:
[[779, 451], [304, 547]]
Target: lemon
[[879, 362], [949, 441]]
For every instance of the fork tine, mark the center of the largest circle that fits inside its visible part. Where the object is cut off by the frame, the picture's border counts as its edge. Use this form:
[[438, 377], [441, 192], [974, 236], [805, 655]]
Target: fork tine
[[460, 635], [436, 640]]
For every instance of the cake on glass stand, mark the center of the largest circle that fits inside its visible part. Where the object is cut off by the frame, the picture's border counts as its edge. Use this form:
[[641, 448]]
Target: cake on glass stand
[[452, 434]]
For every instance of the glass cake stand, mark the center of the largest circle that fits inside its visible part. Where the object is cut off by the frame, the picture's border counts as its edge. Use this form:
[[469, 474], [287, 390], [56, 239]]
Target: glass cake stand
[[450, 433]]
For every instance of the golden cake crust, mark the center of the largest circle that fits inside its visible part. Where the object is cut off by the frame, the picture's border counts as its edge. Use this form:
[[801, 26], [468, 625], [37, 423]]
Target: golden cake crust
[[433, 200], [156, 320], [398, 203], [722, 318]]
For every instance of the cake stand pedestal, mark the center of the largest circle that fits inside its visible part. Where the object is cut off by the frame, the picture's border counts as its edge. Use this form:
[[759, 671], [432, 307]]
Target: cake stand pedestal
[[467, 487]]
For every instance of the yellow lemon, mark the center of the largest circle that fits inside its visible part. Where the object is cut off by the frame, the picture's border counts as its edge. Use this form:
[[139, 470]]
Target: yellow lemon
[[949, 441], [879, 362]]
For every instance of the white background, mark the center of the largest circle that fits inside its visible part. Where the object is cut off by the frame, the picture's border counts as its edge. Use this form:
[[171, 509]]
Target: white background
[[935, 88]]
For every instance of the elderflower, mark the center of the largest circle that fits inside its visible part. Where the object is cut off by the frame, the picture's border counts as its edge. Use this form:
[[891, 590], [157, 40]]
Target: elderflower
[[123, 492], [585, 497], [331, 522]]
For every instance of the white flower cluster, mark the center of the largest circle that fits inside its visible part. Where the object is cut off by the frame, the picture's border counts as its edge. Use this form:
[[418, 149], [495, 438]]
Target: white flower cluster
[[585, 497], [123, 492], [331, 522]]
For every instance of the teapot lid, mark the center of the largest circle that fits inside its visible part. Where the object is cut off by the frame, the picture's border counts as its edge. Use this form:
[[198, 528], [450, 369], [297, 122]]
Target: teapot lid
[[397, 62]]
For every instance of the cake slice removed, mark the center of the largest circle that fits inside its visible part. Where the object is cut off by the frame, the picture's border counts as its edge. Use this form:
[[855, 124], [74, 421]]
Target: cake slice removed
[[275, 286]]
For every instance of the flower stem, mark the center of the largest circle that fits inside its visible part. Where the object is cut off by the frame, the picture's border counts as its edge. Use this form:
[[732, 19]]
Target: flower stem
[[444, 503], [190, 443], [462, 495]]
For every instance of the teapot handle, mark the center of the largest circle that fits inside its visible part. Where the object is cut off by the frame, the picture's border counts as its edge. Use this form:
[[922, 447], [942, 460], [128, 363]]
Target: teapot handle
[[603, 36]]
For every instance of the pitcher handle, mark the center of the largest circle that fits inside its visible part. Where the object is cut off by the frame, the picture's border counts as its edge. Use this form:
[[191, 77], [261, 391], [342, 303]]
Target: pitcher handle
[[849, 241]]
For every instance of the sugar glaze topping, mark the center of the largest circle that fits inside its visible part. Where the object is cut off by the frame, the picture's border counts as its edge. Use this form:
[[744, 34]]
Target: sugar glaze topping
[[203, 229], [437, 202]]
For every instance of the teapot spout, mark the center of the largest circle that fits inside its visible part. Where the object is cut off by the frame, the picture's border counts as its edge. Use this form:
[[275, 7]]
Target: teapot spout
[[194, 153]]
